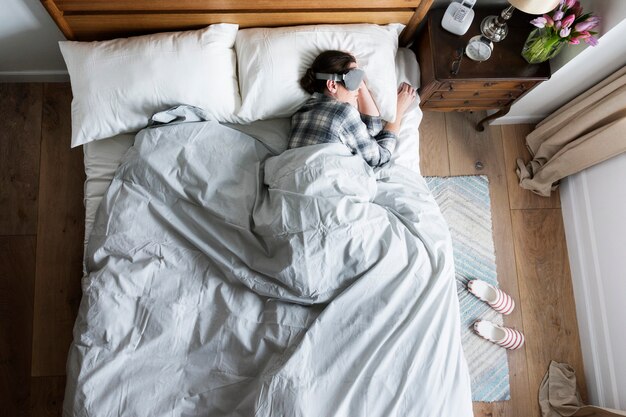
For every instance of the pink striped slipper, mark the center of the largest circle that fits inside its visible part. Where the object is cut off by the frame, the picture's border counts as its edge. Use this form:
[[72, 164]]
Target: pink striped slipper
[[496, 298], [502, 336]]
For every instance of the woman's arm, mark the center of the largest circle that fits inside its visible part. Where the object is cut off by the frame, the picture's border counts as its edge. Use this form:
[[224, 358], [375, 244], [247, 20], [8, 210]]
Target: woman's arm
[[376, 149], [365, 102]]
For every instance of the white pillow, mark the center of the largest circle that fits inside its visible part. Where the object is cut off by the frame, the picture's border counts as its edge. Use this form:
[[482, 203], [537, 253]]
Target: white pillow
[[271, 62], [118, 84]]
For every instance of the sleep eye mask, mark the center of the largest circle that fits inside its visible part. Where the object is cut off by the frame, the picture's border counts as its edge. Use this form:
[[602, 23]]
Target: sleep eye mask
[[352, 79]]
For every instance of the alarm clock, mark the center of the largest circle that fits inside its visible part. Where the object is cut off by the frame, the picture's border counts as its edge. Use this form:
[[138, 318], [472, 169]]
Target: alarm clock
[[479, 48]]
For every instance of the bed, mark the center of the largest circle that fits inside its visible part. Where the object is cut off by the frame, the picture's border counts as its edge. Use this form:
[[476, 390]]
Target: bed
[[227, 275]]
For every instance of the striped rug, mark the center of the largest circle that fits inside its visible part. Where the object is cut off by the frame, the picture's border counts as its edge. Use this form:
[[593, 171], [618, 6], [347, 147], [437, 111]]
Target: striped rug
[[465, 204]]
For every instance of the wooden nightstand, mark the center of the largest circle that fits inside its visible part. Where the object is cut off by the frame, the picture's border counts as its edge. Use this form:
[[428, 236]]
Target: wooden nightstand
[[493, 84]]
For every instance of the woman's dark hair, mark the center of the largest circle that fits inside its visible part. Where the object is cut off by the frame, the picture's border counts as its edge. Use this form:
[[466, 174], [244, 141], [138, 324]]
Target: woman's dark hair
[[328, 62]]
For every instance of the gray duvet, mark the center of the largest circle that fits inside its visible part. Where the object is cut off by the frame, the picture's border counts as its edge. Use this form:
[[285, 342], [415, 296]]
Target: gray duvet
[[225, 281]]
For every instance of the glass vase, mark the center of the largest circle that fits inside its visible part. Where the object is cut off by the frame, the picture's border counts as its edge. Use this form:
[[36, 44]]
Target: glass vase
[[541, 45]]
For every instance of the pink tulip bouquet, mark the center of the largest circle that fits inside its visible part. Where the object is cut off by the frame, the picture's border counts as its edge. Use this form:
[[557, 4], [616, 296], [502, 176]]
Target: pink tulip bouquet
[[565, 24]]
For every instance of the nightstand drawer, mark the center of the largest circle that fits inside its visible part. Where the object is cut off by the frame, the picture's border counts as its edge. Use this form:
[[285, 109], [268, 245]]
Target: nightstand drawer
[[467, 104], [520, 86], [473, 95]]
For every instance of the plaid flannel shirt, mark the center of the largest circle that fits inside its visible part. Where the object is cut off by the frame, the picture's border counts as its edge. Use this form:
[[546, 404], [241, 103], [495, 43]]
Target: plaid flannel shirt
[[323, 119]]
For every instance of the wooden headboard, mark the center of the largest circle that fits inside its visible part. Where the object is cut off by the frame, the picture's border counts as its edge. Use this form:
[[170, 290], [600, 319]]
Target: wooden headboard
[[87, 20]]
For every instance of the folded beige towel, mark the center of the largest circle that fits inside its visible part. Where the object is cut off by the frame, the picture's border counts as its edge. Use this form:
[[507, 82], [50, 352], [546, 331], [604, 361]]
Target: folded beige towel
[[558, 396]]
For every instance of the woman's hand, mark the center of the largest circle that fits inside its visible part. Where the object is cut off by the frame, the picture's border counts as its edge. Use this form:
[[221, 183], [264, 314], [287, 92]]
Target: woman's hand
[[406, 96]]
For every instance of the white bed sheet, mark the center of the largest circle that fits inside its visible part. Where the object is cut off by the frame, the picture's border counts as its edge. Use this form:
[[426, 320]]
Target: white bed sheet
[[103, 157]]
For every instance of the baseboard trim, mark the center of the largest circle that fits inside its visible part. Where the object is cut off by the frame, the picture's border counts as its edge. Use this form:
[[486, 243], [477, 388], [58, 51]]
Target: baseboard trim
[[588, 292], [516, 120], [61, 76]]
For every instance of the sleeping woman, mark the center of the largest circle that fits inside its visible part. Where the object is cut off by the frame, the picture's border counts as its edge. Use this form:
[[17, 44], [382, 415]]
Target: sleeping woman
[[342, 110]]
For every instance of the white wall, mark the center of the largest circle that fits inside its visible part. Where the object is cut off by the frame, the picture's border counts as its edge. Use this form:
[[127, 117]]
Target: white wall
[[594, 204], [28, 43], [578, 67]]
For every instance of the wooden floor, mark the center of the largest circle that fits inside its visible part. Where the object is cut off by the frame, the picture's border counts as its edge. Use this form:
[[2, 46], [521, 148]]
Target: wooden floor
[[41, 234]]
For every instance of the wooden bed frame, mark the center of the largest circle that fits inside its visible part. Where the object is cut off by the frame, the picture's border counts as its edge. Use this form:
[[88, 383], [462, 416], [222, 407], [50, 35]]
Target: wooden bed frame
[[88, 20]]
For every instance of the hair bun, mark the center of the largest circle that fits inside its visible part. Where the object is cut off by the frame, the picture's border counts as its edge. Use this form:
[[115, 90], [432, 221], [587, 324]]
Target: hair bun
[[308, 81]]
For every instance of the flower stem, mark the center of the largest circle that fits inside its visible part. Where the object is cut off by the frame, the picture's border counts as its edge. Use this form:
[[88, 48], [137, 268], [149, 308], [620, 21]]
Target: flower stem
[[541, 46]]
